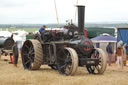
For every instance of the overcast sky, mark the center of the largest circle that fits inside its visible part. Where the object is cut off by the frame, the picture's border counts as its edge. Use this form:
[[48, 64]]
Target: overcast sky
[[43, 11]]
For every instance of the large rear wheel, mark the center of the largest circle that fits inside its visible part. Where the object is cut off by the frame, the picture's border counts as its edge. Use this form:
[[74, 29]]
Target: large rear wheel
[[32, 54], [101, 67], [67, 61]]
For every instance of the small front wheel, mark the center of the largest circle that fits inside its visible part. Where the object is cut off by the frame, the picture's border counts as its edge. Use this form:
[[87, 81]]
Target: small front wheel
[[101, 67]]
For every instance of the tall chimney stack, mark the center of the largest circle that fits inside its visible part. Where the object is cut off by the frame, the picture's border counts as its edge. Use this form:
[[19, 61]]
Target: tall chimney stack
[[81, 11]]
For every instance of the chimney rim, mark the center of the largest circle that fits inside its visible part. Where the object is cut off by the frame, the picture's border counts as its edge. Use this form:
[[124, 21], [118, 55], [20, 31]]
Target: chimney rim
[[80, 6]]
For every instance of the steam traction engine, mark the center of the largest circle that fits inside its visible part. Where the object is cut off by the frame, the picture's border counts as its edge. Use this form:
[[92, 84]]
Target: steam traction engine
[[64, 50], [6, 43]]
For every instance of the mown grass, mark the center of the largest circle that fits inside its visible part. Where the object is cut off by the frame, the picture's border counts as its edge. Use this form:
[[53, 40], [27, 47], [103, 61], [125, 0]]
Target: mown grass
[[10, 75]]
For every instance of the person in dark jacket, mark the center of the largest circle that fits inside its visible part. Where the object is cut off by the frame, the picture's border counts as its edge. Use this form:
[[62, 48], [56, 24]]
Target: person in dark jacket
[[109, 52], [42, 29], [15, 54], [126, 50]]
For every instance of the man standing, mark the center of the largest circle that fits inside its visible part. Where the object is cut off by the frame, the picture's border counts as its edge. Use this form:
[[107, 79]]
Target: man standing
[[42, 29], [120, 55], [109, 52], [126, 50], [15, 54]]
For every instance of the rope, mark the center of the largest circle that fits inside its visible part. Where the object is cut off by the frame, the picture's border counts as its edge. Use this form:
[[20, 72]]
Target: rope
[[56, 13], [76, 10]]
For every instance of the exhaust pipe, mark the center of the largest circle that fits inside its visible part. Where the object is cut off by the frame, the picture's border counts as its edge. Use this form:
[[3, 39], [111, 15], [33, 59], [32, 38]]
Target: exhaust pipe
[[81, 11]]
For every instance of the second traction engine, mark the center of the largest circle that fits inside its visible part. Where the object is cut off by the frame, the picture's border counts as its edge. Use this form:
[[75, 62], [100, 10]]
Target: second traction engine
[[64, 50]]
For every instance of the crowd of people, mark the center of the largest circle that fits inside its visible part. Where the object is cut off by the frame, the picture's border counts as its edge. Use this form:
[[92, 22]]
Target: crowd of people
[[121, 54]]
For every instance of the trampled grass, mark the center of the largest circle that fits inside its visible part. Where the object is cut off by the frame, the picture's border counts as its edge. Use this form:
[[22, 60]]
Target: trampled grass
[[10, 75]]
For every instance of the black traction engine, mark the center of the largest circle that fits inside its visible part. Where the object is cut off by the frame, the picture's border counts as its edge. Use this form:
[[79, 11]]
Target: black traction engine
[[64, 50]]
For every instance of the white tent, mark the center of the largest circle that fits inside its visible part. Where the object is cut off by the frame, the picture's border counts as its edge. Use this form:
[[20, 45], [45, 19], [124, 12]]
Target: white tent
[[103, 40], [5, 33], [19, 37]]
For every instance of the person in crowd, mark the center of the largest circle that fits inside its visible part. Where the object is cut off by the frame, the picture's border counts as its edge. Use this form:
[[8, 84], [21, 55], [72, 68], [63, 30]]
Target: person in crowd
[[109, 52], [41, 30], [126, 47], [15, 54], [120, 55]]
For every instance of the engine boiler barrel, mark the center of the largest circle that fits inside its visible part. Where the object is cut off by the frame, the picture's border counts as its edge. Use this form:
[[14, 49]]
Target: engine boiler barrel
[[6, 43], [81, 10]]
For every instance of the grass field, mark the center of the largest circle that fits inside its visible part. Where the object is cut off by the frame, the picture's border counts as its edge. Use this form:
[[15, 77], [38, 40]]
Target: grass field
[[10, 75]]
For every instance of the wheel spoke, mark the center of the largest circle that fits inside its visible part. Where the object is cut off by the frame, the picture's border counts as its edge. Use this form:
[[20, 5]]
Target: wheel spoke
[[67, 69], [31, 50], [68, 55], [68, 61], [63, 66], [32, 53], [26, 46], [61, 59], [93, 68], [28, 61], [97, 68], [25, 54], [65, 54]]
